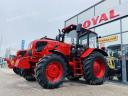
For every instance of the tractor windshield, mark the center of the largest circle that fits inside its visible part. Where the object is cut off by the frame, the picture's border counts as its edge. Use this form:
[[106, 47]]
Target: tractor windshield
[[70, 37]]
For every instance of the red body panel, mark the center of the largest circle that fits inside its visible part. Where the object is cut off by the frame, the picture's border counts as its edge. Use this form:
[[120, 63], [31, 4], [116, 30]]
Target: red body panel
[[87, 52], [59, 46], [11, 62], [22, 62]]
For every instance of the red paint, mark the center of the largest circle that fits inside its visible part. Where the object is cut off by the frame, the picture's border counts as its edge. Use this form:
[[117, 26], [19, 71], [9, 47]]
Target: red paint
[[99, 68], [23, 63], [100, 19], [9, 63], [54, 72], [87, 52], [113, 14], [103, 17], [87, 24], [95, 20]]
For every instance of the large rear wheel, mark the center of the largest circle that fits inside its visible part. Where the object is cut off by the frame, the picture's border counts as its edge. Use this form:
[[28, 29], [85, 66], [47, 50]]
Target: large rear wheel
[[95, 68], [51, 71]]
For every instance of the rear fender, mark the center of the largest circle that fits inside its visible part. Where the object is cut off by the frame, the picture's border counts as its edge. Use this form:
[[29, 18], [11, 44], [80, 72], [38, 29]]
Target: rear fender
[[88, 51], [23, 63]]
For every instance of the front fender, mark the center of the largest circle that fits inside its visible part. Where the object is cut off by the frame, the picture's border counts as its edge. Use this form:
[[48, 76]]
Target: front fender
[[23, 63], [61, 54], [88, 51]]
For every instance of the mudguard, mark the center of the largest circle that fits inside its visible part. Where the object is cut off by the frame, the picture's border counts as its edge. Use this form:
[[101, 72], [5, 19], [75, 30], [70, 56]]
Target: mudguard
[[90, 50]]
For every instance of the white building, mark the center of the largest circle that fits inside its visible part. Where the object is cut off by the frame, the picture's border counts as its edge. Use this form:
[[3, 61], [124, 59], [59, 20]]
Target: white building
[[108, 18]]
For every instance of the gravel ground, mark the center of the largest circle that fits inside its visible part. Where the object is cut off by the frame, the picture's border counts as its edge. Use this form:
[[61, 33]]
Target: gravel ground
[[13, 85]]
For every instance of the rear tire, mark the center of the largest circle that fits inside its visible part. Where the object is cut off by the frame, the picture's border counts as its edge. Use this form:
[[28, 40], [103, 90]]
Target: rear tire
[[51, 71], [95, 68], [27, 74]]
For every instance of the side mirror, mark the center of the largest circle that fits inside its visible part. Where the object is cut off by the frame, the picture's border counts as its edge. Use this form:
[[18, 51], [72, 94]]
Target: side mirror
[[78, 27]]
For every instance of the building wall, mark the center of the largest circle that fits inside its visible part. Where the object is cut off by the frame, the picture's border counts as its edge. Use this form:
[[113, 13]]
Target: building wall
[[108, 18]]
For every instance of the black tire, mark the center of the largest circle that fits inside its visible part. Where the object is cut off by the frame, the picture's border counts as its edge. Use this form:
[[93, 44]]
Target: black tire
[[88, 69], [71, 78], [119, 77], [30, 78], [17, 71], [27, 74], [41, 71]]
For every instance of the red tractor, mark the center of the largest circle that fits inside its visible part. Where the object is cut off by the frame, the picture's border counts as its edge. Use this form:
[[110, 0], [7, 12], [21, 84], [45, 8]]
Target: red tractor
[[11, 61], [74, 54]]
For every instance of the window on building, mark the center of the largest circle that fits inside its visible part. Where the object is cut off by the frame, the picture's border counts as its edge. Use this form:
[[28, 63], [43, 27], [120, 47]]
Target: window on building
[[87, 15], [108, 29], [125, 47], [125, 38], [106, 6], [125, 24]]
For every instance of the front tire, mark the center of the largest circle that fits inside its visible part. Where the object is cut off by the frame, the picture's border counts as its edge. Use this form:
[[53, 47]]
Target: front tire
[[95, 68], [51, 71], [28, 75], [17, 71]]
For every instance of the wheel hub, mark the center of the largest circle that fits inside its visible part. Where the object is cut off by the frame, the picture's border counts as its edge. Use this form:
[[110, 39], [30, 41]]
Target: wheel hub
[[54, 71], [99, 68]]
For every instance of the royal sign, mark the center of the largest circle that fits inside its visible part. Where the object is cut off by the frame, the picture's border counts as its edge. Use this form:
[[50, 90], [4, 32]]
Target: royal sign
[[104, 17]]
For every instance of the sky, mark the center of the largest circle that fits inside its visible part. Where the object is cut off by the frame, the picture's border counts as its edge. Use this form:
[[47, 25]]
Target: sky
[[32, 19]]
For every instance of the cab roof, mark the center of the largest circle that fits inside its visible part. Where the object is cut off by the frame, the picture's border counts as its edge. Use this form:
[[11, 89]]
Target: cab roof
[[73, 27]]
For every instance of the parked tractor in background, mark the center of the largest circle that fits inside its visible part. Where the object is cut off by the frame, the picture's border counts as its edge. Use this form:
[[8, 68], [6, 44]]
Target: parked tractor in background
[[114, 62], [73, 54], [11, 61]]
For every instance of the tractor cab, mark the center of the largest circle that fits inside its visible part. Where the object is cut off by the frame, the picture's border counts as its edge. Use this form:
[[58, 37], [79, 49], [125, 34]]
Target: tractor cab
[[79, 38], [77, 35]]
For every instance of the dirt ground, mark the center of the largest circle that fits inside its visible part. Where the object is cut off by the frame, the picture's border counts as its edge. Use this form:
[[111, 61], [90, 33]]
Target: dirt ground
[[13, 85]]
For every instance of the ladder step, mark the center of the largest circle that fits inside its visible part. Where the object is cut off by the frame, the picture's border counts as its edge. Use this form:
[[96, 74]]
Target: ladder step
[[77, 74]]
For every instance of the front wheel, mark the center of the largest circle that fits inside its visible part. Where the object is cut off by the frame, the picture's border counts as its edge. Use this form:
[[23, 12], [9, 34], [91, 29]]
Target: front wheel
[[95, 68], [51, 71], [28, 75], [17, 71]]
